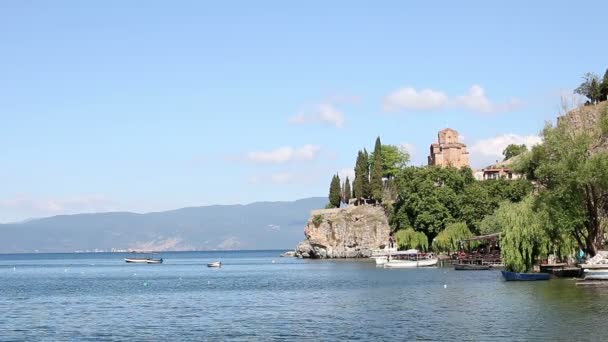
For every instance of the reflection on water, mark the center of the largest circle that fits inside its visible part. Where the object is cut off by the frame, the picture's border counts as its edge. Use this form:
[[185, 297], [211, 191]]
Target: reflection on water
[[99, 297]]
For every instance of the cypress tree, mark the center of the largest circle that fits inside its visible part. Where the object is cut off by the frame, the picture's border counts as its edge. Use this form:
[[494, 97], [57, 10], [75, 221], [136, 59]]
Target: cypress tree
[[376, 172], [595, 91], [334, 192], [357, 184], [347, 192], [604, 87], [365, 186]]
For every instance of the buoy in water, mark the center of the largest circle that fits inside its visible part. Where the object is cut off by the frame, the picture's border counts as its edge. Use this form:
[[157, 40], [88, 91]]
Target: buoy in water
[[273, 261], [445, 286]]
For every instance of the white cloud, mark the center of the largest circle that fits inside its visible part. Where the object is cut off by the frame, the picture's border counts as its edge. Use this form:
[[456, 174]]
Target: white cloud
[[475, 99], [285, 154], [282, 178], [410, 98], [325, 112], [487, 151], [409, 148]]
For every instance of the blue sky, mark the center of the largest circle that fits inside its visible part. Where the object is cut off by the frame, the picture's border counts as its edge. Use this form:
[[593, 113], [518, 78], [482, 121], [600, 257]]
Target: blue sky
[[109, 105]]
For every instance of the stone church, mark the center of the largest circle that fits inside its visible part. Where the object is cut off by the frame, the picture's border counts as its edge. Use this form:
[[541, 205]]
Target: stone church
[[449, 151]]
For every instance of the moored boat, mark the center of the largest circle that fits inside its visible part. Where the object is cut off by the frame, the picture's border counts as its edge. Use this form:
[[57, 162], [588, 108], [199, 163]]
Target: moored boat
[[471, 267], [215, 264], [515, 276], [144, 259], [410, 259]]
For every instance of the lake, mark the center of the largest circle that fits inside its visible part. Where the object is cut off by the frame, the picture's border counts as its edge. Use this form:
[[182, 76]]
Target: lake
[[97, 296]]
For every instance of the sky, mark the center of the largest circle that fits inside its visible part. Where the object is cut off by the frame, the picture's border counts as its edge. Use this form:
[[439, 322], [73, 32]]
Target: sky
[[156, 105]]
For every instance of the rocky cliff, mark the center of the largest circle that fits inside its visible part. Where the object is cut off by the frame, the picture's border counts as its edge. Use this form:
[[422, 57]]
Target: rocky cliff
[[351, 232], [588, 119]]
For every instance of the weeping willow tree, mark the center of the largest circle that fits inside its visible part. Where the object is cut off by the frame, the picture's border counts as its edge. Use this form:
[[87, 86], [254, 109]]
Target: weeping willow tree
[[525, 237], [449, 239], [409, 238]]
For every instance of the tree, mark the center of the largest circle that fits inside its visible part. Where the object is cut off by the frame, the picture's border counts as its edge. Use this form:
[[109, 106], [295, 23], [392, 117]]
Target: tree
[[524, 238], [376, 185], [394, 158], [409, 238], [347, 194], [514, 150], [335, 192], [366, 188], [604, 87], [585, 88], [431, 198], [572, 174], [449, 239], [596, 95]]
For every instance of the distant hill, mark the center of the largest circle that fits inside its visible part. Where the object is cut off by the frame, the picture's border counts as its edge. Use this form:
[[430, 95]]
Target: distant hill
[[261, 225]]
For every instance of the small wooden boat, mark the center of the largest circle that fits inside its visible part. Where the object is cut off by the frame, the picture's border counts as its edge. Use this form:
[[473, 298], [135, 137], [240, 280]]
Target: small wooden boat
[[514, 276], [144, 259], [471, 267], [215, 264]]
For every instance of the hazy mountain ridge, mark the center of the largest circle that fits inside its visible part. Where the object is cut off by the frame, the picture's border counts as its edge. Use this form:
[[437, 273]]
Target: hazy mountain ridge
[[260, 225]]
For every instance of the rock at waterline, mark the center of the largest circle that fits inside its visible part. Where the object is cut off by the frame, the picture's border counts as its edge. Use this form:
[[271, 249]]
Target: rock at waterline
[[352, 232]]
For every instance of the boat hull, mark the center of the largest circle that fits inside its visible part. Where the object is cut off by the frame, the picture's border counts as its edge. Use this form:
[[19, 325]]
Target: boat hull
[[471, 267], [411, 263], [596, 274], [214, 264], [514, 276], [143, 261]]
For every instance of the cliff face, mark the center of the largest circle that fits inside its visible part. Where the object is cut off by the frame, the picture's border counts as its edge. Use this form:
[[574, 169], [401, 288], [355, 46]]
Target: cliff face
[[587, 119], [351, 232]]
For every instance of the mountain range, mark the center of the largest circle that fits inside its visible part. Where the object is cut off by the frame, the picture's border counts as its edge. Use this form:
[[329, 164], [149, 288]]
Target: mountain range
[[260, 225]]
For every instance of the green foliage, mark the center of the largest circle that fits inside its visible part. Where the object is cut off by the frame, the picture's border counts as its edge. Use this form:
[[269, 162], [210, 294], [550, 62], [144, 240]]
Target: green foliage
[[431, 198], [449, 239], [317, 220], [335, 192], [346, 192], [394, 158], [490, 224], [361, 183], [604, 87], [574, 183], [589, 86], [514, 150], [408, 239], [524, 239], [376, 185]]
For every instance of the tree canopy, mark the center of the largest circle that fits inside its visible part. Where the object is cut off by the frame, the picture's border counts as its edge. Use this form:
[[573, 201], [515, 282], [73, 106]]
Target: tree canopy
[[514, 150], [524, 238], [335, 192], [361, 184], [409, 239], [394, 158], [346, 192], [572, 173], [431, 198], [449, 239], [376, 185]]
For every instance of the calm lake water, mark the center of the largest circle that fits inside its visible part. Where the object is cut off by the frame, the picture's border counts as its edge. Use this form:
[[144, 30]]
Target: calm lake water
[[100, 297]]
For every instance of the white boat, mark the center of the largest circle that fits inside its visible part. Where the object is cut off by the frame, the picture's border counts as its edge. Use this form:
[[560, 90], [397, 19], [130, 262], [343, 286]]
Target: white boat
[[411, 263], [596, 274], [144, 259], [215, 264], [410, 259]]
